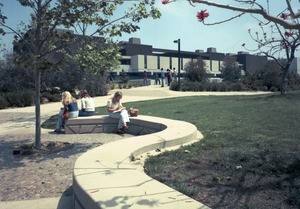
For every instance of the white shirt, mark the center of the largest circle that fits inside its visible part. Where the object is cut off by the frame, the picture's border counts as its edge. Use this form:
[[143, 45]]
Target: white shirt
[[87, 103], [112, 105]]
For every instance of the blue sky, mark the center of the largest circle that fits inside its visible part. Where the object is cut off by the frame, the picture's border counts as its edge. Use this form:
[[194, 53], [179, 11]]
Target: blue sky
[[178, 20]]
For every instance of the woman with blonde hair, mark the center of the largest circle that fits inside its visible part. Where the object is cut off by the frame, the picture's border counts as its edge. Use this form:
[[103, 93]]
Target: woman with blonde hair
[[116, 110], [69, 110]]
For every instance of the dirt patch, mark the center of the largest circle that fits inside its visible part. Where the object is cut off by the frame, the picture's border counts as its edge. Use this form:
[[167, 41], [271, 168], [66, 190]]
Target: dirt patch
[[47, 147], [46, 172]]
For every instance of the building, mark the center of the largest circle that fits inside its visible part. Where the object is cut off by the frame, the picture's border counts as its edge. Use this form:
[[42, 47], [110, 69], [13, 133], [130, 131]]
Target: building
[[251, 63], [138, 57], [295, 66]]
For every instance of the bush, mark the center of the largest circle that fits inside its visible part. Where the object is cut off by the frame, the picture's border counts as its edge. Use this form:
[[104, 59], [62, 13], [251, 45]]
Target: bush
[[236, 87], [112, 86], [51, 97], [20, 99], [174, 86], [3, 102], [224, 86], [273, 89]]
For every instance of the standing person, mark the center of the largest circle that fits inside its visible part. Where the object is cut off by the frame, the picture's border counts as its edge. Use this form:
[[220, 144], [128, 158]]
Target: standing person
[[157, 81], [162, 75], [174, 74], [87, 104], [116, 110], [169, 77], [145, 78], [69, 106]]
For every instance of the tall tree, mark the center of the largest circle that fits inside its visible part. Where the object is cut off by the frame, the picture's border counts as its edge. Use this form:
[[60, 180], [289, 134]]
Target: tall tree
[[196, 71], [231, 72], [280, 29], [42, 47]]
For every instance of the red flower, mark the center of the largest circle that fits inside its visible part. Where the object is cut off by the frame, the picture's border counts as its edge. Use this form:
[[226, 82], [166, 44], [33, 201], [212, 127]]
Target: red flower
[[165, 1], [284, 16], [202, 15], [288, 33], [283, 44]]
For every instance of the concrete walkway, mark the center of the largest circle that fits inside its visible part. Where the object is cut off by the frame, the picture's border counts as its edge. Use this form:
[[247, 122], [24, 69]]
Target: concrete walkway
[[27, 124]]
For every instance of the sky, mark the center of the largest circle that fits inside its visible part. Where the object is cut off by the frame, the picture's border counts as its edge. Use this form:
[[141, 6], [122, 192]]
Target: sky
[[178, 20]]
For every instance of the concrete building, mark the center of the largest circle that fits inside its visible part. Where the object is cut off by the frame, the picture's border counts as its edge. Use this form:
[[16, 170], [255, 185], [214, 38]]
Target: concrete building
[[137, 57], [295, 66], [251, 63]]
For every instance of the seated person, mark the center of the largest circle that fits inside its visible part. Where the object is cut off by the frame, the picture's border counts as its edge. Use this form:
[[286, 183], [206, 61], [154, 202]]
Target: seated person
[[87, 104], [70, 106], [116, 110]]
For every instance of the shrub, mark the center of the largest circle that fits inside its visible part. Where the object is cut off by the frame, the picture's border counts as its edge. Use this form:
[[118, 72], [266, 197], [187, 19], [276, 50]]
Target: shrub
[[196, 71], [224, 86], [112, 86], [3, 102], [273, 89], [20, 99], [236, 87], [174, 86], [214, 86], [51, 97], [131, 84]]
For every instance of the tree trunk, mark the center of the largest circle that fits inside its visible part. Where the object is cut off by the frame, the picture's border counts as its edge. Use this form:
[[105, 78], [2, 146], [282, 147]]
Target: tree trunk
[[37, 108], [284, 81]]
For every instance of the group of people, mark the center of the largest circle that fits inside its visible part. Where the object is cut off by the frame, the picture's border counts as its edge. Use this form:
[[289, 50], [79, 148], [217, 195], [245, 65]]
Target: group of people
[[70, 106], [170, 75]]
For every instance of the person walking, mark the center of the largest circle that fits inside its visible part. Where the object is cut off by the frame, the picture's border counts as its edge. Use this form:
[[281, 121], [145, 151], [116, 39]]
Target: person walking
[[169, 77], [157, 81], [145, 76], [162, 76]]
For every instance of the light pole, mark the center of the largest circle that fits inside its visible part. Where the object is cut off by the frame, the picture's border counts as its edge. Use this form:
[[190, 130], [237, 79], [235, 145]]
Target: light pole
[[178, 43]]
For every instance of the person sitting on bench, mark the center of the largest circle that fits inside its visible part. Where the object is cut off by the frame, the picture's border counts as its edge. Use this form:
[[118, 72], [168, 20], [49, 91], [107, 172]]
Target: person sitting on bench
[[116, 110], [87, 104]]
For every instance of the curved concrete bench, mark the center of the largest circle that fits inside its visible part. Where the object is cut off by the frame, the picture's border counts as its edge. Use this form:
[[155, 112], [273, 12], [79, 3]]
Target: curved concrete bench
[[105, 124], [105, 177]]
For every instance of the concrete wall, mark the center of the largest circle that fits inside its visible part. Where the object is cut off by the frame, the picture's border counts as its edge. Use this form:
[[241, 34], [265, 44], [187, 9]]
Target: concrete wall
[[175, 63], [152, 62], [137, 62], [165, 62], [295, 66]]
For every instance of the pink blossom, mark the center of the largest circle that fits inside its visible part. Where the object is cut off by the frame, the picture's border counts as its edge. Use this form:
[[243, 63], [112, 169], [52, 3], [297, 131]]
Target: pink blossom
[[202, 15], [165, 1], [288, 33], [283, 44], [284, 16]]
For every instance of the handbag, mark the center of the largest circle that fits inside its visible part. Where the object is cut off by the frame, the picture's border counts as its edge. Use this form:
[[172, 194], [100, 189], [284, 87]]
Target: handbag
[[133, 112], [66, 114]]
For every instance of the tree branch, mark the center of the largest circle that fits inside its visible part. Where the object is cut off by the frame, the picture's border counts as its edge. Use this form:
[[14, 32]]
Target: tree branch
[[261, 12]]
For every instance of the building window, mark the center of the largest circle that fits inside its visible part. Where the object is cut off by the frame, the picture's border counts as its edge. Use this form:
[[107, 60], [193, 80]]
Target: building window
[[170, 62], [158, 62]]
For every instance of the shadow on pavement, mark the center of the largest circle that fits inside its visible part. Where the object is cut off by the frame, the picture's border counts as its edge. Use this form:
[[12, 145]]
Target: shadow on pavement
[[66, 200]]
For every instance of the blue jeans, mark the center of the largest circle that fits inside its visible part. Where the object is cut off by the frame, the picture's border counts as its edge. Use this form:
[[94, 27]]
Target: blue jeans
[[61, 122], [122, 116], [83, 113]]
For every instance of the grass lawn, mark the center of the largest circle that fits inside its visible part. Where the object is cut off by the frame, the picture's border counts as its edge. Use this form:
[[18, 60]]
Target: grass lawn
[[250, 154]]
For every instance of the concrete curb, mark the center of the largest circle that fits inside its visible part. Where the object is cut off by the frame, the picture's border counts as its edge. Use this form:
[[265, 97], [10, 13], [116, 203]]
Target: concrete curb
[[105, 177]]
